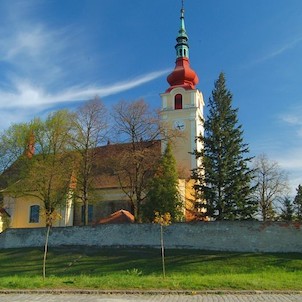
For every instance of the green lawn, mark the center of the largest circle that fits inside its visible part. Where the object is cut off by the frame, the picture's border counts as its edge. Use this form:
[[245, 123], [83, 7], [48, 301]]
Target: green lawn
[[95, 268]]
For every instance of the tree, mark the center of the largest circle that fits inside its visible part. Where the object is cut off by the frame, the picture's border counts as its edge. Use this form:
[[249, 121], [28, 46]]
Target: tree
[[163, 220], [136, 124], [224, 179], [287, 210], [47, 175], [90, 130], [14, 143], [163, 195], [50, 175], [298, 203], [271, 185]]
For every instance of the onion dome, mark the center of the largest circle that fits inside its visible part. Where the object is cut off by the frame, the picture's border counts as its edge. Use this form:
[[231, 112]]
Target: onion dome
[[182, 75]]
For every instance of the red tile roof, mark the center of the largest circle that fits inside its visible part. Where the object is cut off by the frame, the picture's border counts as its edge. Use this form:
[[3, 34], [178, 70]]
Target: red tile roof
[[107, 156], [121, 216]]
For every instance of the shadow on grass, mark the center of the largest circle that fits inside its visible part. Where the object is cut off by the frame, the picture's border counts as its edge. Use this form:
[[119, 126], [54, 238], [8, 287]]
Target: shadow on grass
[[93, 261], [221, 262]]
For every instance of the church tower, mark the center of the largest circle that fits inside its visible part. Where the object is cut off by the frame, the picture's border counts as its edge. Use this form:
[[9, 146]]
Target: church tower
[[182, 106]]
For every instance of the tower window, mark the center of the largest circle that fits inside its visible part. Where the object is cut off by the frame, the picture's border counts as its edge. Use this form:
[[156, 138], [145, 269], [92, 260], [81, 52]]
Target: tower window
[[34, 213], [178, 101]]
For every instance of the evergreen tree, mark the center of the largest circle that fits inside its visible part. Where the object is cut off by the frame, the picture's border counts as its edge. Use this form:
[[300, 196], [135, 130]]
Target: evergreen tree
[[225, 182], [298, 203], [163, 196], [287, 210]]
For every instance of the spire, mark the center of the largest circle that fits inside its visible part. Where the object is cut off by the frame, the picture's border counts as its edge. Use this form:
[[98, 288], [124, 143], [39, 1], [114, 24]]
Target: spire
[[182, 75], [182, 47]]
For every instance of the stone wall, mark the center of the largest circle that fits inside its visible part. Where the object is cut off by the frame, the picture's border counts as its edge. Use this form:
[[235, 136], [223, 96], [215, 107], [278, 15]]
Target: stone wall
[[215, 236]]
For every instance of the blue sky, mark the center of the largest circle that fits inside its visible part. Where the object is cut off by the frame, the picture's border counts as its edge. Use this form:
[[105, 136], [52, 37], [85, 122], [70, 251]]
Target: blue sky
[[57, 53]]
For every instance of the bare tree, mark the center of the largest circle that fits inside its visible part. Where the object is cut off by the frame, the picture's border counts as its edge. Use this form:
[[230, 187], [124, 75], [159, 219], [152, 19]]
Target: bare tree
[[90, 130], [136, 124], [271, 185]]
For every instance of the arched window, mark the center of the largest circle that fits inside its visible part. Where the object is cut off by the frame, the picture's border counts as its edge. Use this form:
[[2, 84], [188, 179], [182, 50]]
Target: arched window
[[178, 101], [34, 214]]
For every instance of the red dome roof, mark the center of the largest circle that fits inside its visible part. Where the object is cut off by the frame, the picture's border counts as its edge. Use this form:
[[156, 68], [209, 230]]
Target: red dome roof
[[182, 75]]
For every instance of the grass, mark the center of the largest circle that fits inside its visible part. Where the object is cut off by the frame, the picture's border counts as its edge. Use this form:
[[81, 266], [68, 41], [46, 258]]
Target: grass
[[95, 268]]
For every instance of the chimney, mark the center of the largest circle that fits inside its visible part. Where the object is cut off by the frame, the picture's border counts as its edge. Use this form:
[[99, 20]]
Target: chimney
[[30, 148], [73, 181]]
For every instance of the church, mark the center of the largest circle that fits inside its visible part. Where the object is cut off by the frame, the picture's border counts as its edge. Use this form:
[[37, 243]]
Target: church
[[181, 111]]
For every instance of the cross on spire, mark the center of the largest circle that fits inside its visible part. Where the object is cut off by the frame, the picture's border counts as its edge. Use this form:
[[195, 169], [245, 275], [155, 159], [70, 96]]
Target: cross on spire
[[182, 7]]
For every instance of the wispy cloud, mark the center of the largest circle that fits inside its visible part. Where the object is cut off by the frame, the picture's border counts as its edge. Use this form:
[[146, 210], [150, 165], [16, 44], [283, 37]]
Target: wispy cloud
[[277, 51], [24, 43], [291, 160], [27, 95], [293, 120], [281, 50], [39, 54], [34, 51], [42, 66], [289, 156], [28, 100]]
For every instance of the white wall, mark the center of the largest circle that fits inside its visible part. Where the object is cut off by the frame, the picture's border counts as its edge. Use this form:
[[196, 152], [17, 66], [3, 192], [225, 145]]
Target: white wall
[[216, 236]]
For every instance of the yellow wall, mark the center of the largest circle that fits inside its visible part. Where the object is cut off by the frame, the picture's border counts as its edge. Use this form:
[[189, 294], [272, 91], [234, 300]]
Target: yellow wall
[[1, 224], [19, 209], [106, 201], [190, 200]]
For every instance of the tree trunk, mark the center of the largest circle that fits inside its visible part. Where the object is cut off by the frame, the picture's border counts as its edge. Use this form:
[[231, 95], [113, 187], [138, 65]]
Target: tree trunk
[[162, 250], [45, 252], [86, 207]]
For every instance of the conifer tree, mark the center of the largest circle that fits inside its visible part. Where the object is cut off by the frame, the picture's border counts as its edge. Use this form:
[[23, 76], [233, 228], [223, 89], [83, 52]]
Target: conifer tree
[[298, 203], [163, 196], [287, 210], [225, 182]]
